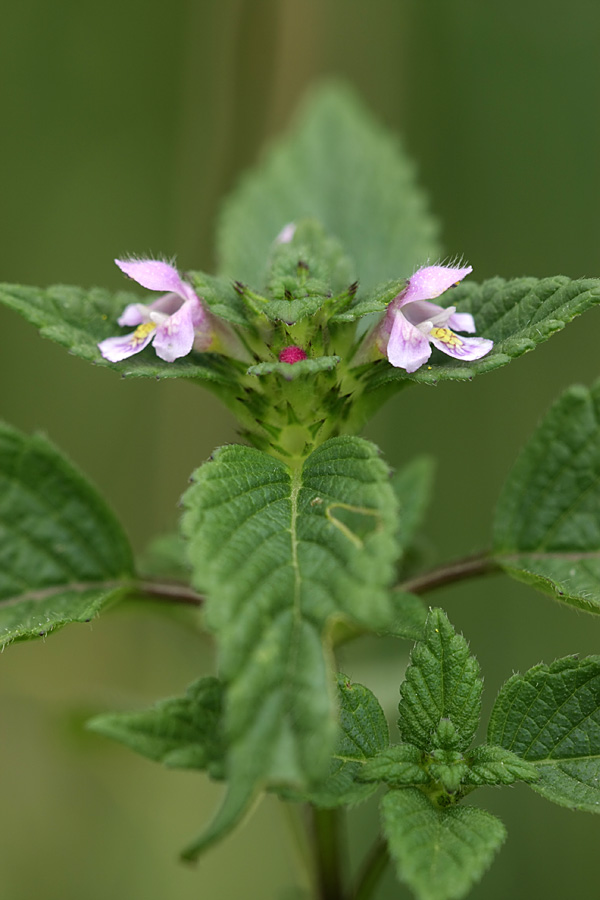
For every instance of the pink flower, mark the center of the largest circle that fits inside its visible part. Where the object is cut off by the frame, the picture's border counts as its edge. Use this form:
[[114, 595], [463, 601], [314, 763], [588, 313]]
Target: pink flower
[[174, 324], [412, 323]]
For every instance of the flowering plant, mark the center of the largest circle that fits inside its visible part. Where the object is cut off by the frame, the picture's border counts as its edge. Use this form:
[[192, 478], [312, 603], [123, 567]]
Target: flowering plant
[[299, 539]]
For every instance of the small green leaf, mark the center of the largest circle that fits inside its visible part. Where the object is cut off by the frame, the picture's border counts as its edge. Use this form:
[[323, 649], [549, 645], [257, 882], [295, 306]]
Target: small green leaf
[[220, 296], [441, 694], [550, 717], [376, 300], [363, 733], [278, 553], [339, 167], [489, 764], [182, 732], [400, 765], [547, 527], [79, 319], [517, 315], [439, 854], [63, 555]]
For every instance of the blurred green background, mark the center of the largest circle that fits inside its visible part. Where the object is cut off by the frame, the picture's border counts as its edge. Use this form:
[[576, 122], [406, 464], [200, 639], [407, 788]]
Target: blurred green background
[[123, 125]]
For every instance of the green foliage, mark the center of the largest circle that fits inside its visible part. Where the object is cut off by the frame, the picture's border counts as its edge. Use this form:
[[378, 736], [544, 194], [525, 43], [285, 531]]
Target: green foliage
[[441, 694], [547, 528], [182, 732], [363, 733], [298, 370], [490, 764], [551, 717], [63, 555], [413, 486], [278, 553], [401, 765], [439, 854], [340, 167], [517, 315], [78, 319]]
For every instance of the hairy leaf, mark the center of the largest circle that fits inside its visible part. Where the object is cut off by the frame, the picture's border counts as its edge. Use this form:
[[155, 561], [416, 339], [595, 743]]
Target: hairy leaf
[[341, 168], [550, 717], [438, 853], [547, 527], [78, 319], [441, 694], [63, 555], [278, 553], [182, 732], [400, 765], [517, 315], [489, 764], [363, 733], [408, 618]]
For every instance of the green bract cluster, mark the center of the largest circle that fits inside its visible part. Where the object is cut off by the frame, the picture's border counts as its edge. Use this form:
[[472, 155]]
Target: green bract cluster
[[302, 539]]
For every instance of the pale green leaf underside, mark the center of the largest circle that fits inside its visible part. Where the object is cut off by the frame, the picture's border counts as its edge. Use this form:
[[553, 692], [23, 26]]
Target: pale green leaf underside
[[439, 854], [63, 555], [292, 371], [441, 694], [340, 167], [78, 318], [182, 732], [547, 522], [517, 315], [363, 733], [277, 554], [551, 717]]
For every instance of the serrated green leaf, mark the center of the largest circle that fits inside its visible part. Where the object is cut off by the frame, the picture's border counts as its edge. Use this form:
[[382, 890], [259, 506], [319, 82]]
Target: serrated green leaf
[[63, 555], [490, 764], [292, 371], [517, 315], [439, 854], [363, 733], [181, 732], [550, 717], [78, 319], [547, 527], [374, 301], [400, 765], [275, 566], [341, 168], [441, 694]]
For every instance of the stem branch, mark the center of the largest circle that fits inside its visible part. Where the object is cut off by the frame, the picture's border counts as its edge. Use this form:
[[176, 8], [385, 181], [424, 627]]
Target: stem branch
[[372, 869], [326, 843], [469, 567]]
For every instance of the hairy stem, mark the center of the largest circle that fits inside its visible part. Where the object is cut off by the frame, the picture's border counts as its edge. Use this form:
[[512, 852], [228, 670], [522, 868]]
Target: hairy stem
[[372, 869], [328, 863], [469, 567]]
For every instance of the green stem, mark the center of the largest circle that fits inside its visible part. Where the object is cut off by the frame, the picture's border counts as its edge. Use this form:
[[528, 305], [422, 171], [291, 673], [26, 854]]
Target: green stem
[[469, 567], [326, 843], [371, 871]]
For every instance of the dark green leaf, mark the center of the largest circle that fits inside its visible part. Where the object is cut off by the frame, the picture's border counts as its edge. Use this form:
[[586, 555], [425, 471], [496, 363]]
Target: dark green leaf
[[291, 371], [517, 315], [78, 319], [182, 732], [220, 296], [364, 732], [341, 168], [441, 694], [438, 853], [547, 526], [278, 553], [63, 555], [550, 717]]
